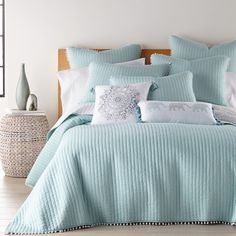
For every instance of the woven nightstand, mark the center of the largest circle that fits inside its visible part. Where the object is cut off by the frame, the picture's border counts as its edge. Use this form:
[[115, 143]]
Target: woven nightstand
[[22, 137]]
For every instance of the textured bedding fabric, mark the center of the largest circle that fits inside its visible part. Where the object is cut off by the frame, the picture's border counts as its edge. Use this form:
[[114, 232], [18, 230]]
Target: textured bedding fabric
[[51, 146], [81, 57], [100, 73], [188, 49], [177, 87], [208, 75], [130, 173]]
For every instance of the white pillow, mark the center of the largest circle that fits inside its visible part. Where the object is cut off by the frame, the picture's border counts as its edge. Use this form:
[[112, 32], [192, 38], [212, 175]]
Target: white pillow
[[230, 89], [73, 84], [118, 104], [177, 112]]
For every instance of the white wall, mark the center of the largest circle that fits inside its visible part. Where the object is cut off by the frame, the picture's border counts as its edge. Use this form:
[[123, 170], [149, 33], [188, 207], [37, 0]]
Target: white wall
[[35, 29]]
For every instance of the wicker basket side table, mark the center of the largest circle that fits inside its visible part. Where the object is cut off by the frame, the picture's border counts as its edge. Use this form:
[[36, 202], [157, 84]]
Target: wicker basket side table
[[22, 137]]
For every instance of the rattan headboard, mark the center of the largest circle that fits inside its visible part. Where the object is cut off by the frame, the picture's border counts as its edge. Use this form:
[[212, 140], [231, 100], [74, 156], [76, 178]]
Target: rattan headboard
[[64, 65]]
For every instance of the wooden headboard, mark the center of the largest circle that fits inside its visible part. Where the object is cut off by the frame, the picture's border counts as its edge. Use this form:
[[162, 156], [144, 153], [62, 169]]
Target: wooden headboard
[[64, 65]]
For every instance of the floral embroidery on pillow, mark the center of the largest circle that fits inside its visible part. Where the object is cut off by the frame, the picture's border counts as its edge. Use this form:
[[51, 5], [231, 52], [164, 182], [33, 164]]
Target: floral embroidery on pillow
[[117, 103]]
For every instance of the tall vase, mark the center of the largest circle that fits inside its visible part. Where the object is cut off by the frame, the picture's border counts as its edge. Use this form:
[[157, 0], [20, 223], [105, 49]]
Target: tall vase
[[22, 90]]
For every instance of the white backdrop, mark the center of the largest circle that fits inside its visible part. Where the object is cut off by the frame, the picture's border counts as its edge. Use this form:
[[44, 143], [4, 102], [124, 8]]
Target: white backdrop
[[36, 29]]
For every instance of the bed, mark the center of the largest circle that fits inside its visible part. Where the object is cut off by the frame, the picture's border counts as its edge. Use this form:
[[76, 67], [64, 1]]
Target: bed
[[129, 174]]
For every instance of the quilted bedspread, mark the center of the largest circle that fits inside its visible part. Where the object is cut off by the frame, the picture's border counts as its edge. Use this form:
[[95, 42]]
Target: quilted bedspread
[[130, 173]]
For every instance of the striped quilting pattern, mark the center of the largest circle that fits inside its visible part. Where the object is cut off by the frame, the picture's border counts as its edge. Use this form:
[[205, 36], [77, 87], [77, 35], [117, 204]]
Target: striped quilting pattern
[[188, 49], [100, 73], [208, 75], [55, 136], [177, 87], [127, 173], [81, 57]]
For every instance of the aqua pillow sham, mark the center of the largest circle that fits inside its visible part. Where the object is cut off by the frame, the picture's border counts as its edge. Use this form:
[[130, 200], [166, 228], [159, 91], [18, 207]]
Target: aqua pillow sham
[[81, 57], [208, 75], [177, 87], [100, 73], [188, 49]]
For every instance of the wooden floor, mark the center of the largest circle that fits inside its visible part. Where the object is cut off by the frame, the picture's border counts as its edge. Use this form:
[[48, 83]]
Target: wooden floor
[[13, 192]]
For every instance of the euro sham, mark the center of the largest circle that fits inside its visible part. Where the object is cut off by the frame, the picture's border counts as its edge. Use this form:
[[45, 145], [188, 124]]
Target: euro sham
[[100, 73], [208, 75], [189, 50], [177, 112], [177, 87], [82, 57]]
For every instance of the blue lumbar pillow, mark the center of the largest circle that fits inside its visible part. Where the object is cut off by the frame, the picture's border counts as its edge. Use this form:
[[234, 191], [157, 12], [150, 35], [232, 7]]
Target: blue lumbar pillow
[[208, 75], [177, 87], [82, 57], [189, 50], [100, 73]]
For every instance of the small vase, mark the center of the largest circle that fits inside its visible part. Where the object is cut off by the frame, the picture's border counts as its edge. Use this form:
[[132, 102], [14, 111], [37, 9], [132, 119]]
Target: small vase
[[32, 103], [22, 90]]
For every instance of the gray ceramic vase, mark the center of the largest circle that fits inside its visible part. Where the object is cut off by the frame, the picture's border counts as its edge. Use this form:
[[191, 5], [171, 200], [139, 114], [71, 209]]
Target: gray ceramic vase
[[22, 90]]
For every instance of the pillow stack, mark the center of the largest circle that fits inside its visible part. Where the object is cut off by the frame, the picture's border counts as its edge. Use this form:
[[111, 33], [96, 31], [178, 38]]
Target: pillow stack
[[208, 75], [117, 97], [209, 66], [73, 82], [191, 50], [100, 74], [177, 88]]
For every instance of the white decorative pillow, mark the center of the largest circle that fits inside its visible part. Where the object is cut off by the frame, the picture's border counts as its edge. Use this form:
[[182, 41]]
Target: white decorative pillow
[[177, 112], [230, 89], [118, 104], [73, 83]]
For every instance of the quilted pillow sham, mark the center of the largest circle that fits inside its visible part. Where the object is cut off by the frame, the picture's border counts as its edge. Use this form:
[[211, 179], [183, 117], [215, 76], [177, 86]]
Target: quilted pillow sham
[[81, 57], [177, 87], [208, 75], [73, 83], [188, 49], [177, 112], [118, 104], [100, 73]]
